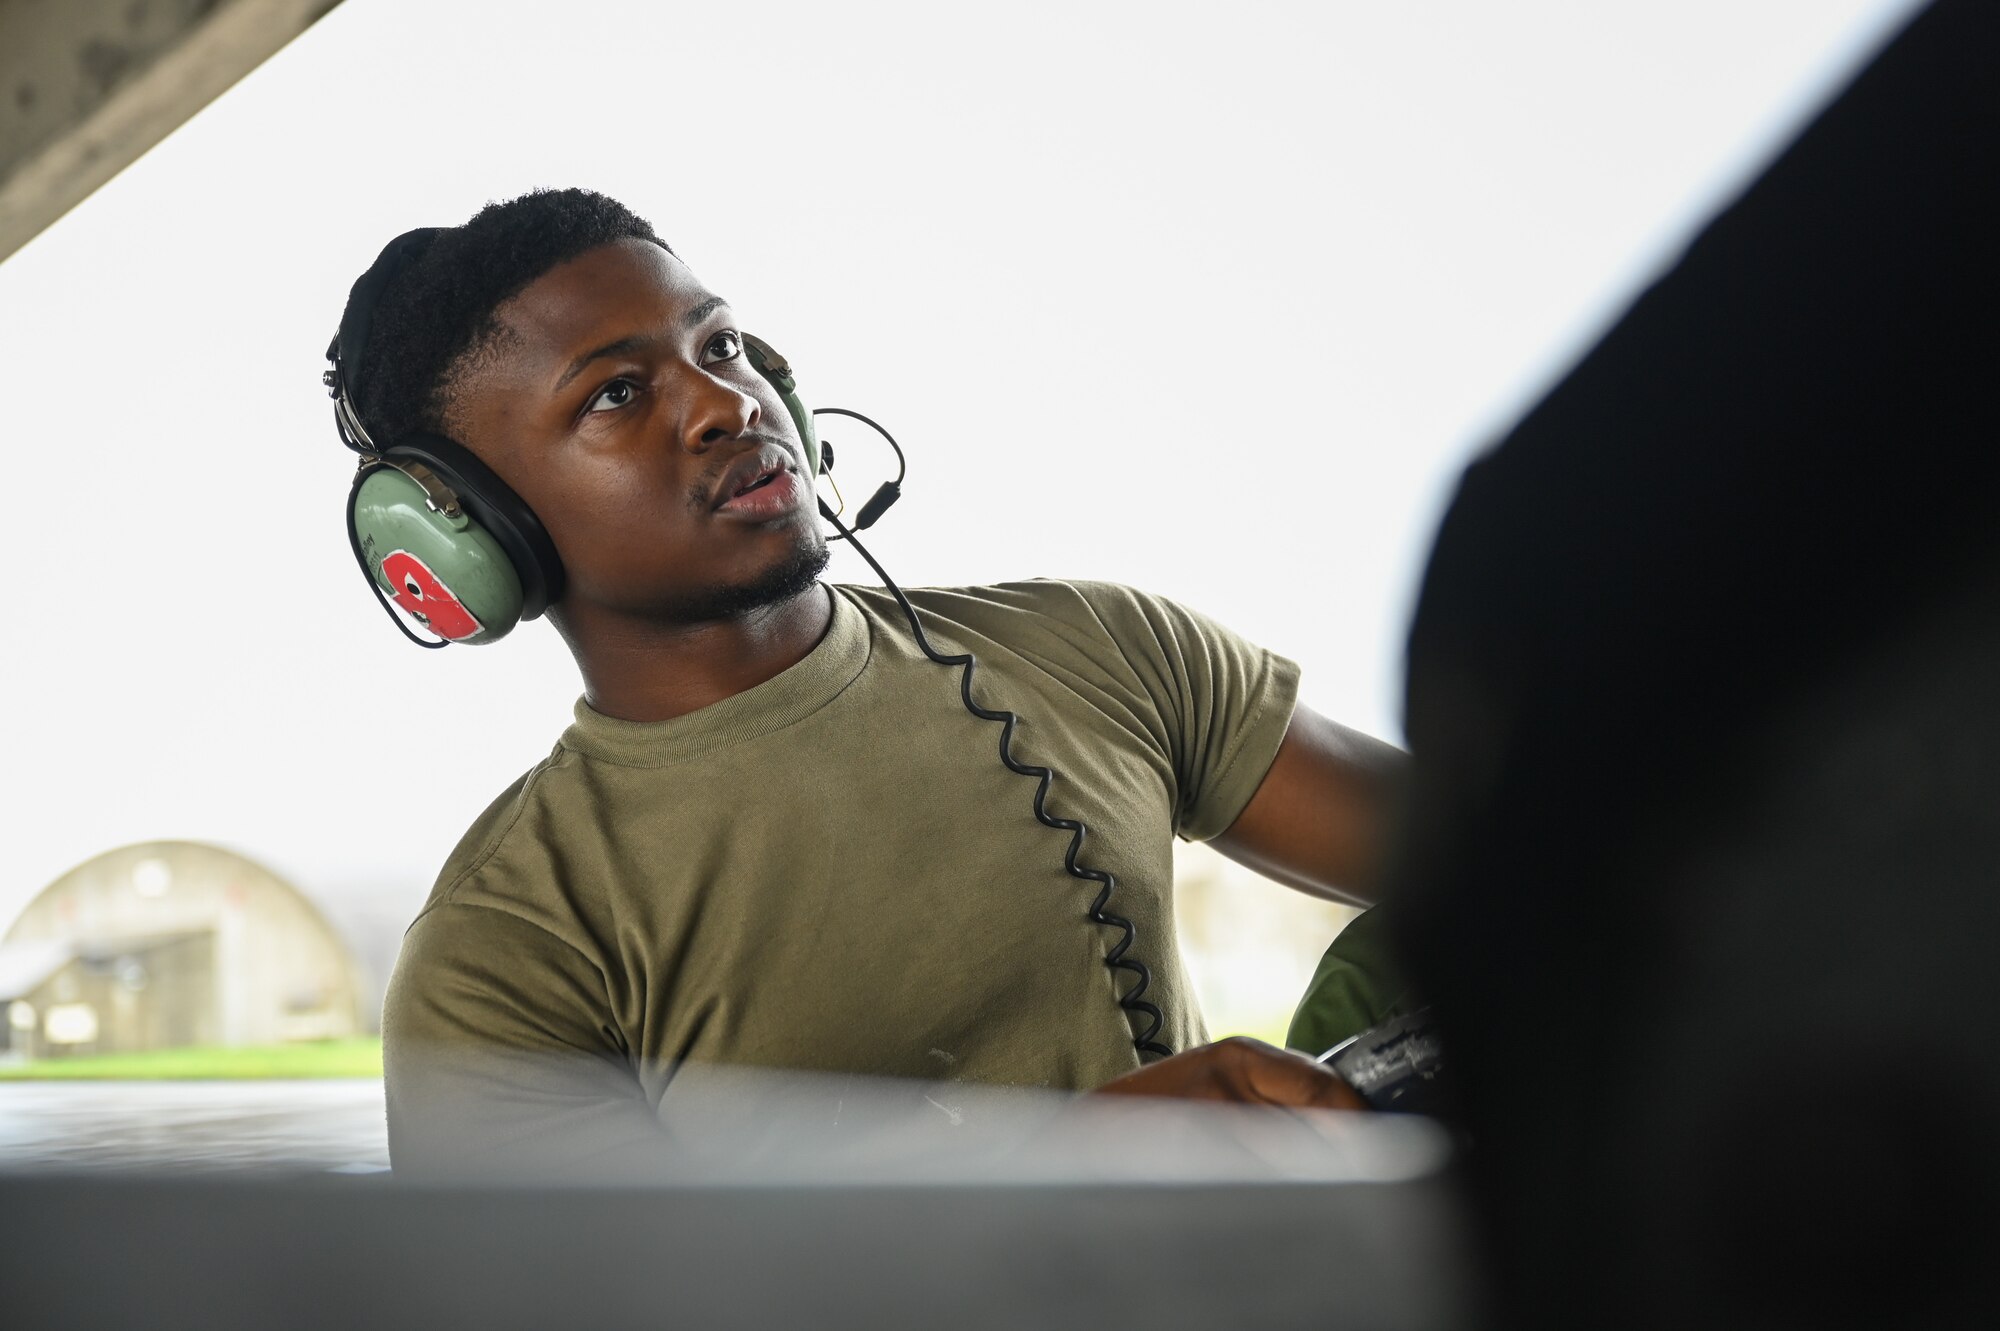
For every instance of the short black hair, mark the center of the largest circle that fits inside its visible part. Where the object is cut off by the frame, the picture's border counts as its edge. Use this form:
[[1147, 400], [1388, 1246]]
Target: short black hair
[[436, 318]]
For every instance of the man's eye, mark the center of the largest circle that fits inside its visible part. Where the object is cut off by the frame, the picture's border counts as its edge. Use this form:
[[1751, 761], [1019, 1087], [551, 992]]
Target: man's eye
[[723, 346], [616, 394]]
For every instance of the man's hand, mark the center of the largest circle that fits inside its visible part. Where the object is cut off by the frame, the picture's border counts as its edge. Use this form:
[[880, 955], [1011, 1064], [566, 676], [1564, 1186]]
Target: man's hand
[[1241, 1071]]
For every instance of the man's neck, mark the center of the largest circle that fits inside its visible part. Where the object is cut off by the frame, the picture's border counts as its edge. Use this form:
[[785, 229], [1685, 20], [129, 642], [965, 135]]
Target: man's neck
[[639, 671]]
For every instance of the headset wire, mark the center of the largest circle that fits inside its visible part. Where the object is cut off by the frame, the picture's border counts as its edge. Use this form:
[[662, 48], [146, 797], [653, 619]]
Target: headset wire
[[1133, 1000]]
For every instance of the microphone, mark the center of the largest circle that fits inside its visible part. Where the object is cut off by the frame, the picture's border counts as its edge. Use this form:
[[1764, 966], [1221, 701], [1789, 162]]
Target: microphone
[[885, 494], [878, 503]]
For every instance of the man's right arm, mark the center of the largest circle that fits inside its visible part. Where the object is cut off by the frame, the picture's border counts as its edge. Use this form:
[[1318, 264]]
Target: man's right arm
[[500, 1051]]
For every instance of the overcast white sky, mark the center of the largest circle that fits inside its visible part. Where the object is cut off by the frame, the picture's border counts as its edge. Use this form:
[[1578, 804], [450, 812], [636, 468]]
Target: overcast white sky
[[1211, 299]]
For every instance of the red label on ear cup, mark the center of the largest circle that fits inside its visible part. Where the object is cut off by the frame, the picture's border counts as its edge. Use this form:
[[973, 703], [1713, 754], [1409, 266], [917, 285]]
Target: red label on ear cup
[[419, 591]]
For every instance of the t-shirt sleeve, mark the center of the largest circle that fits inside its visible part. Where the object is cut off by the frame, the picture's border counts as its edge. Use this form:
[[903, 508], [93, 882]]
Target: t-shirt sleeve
[[1222, 701], [498, 1051]]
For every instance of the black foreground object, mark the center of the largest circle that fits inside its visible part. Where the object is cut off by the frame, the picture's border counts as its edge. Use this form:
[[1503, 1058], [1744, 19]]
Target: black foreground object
[[1704, 691]]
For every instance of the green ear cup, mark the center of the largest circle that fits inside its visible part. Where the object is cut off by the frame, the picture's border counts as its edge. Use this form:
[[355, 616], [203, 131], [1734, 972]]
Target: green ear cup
[[767, 362], [448, 570]]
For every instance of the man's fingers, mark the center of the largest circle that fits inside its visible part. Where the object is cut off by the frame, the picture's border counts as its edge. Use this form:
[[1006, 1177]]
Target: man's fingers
[[1243, 1071], [1280, 1077]]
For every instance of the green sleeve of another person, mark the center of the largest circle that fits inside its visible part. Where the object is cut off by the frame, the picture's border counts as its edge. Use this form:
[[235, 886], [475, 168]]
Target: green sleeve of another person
[[1357, 985]]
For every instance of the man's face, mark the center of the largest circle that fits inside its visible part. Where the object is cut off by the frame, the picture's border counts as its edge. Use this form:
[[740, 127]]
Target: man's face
[[623, 408]]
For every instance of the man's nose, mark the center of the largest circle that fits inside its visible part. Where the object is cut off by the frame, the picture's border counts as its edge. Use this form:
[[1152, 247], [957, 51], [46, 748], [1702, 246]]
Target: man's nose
[[716, 411]]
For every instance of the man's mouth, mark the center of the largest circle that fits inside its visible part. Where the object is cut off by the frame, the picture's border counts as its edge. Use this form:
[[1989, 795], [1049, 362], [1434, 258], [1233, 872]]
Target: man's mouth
[[752, 471], [759, 485]]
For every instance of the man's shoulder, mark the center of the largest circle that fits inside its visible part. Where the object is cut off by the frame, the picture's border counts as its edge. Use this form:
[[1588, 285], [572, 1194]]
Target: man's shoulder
[[1102, 608], [495, 832]]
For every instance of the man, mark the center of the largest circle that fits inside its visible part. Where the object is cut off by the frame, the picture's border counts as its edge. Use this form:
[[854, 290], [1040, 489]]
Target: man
[[775, 836]]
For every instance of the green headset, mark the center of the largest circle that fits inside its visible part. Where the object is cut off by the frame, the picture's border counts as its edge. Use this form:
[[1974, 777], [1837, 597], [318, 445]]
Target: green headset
[[433, 529]]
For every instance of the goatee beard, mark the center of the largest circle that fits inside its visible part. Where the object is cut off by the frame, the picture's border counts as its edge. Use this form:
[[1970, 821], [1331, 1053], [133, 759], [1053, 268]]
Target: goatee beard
[[780, 582]]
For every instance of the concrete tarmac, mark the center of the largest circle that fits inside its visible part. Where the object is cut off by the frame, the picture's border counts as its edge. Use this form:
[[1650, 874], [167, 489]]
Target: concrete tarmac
[[195, 1125]]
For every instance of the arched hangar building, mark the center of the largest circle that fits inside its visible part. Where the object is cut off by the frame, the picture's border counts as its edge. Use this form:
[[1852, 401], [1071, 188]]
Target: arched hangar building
[[173, 943]]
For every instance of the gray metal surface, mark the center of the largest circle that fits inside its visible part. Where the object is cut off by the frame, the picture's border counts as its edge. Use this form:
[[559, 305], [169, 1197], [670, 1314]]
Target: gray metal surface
[[1015, 1210], [337, 1252]]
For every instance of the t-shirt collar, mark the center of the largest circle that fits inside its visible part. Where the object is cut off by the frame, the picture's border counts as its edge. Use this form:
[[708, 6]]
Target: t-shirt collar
[[787, 697]]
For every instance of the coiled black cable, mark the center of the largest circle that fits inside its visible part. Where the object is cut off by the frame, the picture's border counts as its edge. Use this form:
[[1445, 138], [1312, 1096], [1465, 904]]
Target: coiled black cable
[[1133, 1000]]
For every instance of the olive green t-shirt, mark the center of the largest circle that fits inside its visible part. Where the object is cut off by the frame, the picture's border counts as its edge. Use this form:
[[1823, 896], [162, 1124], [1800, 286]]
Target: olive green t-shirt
[[832, 871]]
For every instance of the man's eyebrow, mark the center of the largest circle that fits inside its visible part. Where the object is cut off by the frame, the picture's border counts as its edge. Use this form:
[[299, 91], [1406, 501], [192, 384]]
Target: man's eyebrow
[[624, 344], [702, 311], [636, 341]]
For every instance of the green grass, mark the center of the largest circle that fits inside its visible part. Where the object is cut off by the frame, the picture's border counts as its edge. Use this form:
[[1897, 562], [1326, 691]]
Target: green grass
[[315, 1059], [320, 1058]]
